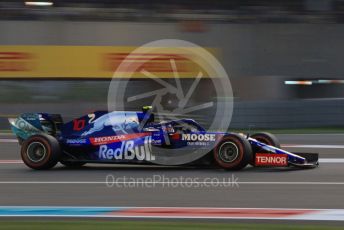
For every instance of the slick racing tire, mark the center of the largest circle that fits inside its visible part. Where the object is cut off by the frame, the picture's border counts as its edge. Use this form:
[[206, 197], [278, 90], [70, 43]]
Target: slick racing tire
[[40, 151], [267, 138], [233, 152], [71, 164]]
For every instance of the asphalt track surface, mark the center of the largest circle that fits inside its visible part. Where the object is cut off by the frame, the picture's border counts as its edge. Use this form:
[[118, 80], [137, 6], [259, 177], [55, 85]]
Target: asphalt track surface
[[319, 188]]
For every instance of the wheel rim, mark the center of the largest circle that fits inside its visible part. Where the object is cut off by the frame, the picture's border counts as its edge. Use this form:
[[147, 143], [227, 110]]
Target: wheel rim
[[36, 152], [228, 152]]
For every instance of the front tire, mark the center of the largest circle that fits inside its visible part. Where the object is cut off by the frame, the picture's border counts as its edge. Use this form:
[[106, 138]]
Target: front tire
[[40, 151], [233, 152], [267, 138]]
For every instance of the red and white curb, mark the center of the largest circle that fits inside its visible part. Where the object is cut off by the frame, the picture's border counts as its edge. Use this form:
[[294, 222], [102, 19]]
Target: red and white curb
[[174, 212], [232, 213]]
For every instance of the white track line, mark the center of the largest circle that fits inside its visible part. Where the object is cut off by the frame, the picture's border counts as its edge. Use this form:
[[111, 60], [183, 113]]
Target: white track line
[[310, 134], [11, 162], [331, 160], [313, 146], [173, 184], [8, 140]]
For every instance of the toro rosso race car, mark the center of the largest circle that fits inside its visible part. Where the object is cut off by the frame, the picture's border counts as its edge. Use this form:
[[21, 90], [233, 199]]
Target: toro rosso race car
[[136, 138]]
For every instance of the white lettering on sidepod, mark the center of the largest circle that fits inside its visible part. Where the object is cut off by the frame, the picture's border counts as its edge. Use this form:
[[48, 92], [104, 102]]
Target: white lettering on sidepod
[[128, 151], [198, 137]]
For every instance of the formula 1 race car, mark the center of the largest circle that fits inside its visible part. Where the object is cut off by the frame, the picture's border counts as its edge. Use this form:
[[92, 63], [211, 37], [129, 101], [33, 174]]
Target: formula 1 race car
[[136, 138]]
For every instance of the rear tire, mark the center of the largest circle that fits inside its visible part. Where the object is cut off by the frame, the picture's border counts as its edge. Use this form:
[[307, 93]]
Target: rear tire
[[233, 152], [40, 151]]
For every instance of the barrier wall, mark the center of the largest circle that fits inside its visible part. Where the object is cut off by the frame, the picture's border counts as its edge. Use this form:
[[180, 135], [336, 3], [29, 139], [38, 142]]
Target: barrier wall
[[257, 57], [300, 50], [275, 51], [246, 115]]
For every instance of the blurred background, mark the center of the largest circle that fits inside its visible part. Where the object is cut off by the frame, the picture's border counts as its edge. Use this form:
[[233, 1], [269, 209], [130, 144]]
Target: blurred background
[[284, 58]]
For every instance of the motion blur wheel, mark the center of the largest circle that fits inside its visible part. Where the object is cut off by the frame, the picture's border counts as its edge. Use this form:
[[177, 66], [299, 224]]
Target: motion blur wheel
[[228, 152], [233, 152], [36, 151], [40, 151]]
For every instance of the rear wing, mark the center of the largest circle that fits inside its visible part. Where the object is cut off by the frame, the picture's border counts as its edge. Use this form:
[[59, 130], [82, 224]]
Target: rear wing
[[28, 124]]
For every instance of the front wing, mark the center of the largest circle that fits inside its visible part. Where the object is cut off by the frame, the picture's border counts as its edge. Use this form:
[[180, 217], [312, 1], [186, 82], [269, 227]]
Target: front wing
[[302, 160]]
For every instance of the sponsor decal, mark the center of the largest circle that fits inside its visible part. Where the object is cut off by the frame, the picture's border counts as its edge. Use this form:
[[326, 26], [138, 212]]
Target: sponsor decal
[[22, 124], [76, 141], [128, 151], [120, 122], [151, 62], [168, 128], [198, 137], [198, 143], [98, 61], [91, 117], [175, 136], [113, 139], [78, 124], [269, 159], [31, 117], [156, 142], [15, 61]]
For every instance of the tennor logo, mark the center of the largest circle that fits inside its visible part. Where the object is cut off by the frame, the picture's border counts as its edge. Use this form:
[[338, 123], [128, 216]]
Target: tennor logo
[[267, 159]]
